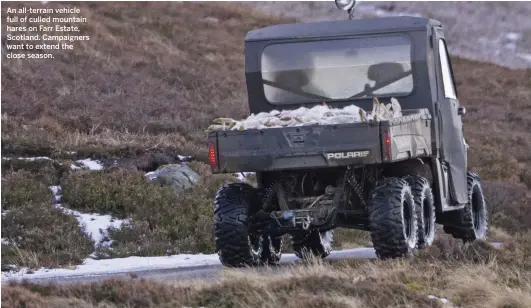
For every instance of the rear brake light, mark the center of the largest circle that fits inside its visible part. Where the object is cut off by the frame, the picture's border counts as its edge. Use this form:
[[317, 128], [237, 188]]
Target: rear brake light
[[387, 145], [212, 155]]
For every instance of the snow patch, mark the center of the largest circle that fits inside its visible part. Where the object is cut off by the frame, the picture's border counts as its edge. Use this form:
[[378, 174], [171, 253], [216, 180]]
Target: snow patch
[[91, 164], [525, 56], [150, 175], [118, 265], [510, 46], [108, 267], [513, 36], [29, 158], [74, 167], [443, 300], [55, 191], [95, 224]]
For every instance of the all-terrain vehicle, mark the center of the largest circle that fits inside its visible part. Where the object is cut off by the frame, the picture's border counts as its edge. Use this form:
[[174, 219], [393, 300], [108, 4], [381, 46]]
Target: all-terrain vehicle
[[395, 178]]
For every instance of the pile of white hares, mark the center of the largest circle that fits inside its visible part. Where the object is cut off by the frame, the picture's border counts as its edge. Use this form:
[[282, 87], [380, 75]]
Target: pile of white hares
[[318, 115]]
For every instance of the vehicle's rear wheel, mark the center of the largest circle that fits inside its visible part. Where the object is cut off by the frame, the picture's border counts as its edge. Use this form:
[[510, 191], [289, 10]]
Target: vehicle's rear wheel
[[470, 223], [393, 219], [313, 243], [425, 208], [236, 246]]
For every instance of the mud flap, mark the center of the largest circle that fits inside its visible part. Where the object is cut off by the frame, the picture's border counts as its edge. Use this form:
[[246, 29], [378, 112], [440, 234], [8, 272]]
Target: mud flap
[[458, 187], [454, 151]]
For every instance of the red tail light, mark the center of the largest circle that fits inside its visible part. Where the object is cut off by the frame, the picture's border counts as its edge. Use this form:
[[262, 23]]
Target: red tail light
[[212, 157], [386, 145]]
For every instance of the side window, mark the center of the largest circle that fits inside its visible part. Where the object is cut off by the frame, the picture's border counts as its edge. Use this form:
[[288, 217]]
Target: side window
[[448, 84]]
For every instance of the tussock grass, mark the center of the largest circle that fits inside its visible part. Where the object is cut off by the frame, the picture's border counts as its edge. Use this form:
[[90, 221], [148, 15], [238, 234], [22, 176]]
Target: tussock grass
[[351, 238], [46, 171], [115, 192], [170, 224], [152, 82], [20, 188], [161, 221], [508, 204], [37, 234], [144, 88], [40, 235], [459, 275]]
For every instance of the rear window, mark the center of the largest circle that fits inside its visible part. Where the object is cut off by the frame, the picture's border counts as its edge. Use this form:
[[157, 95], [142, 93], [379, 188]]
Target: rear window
[[338, 69]]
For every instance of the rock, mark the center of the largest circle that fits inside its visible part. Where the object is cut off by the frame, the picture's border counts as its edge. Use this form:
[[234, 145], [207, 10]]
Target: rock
[[180, 177]]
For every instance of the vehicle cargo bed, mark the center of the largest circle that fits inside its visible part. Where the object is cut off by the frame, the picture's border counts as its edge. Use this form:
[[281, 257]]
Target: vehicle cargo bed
[[320, 146]]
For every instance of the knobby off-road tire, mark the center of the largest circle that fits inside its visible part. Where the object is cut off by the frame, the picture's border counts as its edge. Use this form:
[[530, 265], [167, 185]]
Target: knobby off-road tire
[[234, 204], [470, 223], [272, 245], [425, 208], [314, 243], [272, 250], [393, 219]]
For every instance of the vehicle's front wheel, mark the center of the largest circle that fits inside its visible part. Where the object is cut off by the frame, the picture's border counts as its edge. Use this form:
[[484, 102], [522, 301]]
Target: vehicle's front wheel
[[236, 246], [470, 223], [393, 219], [313, 243]]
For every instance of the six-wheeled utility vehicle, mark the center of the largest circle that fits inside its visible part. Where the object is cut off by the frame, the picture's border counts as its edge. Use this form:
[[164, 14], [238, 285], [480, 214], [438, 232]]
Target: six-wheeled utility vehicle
[[394, 178]]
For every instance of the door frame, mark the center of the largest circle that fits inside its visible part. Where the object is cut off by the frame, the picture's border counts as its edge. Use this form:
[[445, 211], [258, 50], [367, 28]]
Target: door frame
[[457, 182]]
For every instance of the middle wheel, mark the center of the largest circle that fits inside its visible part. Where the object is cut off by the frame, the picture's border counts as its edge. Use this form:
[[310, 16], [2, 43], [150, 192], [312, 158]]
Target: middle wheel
[[425, 208], [393, 219]]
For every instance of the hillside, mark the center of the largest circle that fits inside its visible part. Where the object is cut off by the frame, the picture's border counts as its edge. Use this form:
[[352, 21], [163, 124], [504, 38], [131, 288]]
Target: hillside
[[505, 41], [140, 94], [143, 81]]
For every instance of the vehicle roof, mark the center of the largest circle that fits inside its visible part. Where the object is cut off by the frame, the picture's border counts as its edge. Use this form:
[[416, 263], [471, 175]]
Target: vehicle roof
[[338, 28]]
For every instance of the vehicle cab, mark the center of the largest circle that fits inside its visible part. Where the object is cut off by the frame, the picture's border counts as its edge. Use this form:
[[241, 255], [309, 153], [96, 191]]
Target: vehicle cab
[[347, 62]]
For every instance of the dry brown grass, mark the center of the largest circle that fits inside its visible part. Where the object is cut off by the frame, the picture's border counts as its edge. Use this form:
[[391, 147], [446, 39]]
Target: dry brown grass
[[20, 188], [36, 234], [152, 76], [144, 84], [351, 238], [468, 275], [167, 224], [498, 129], [39, 235], [116, 192], [47, 172]]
